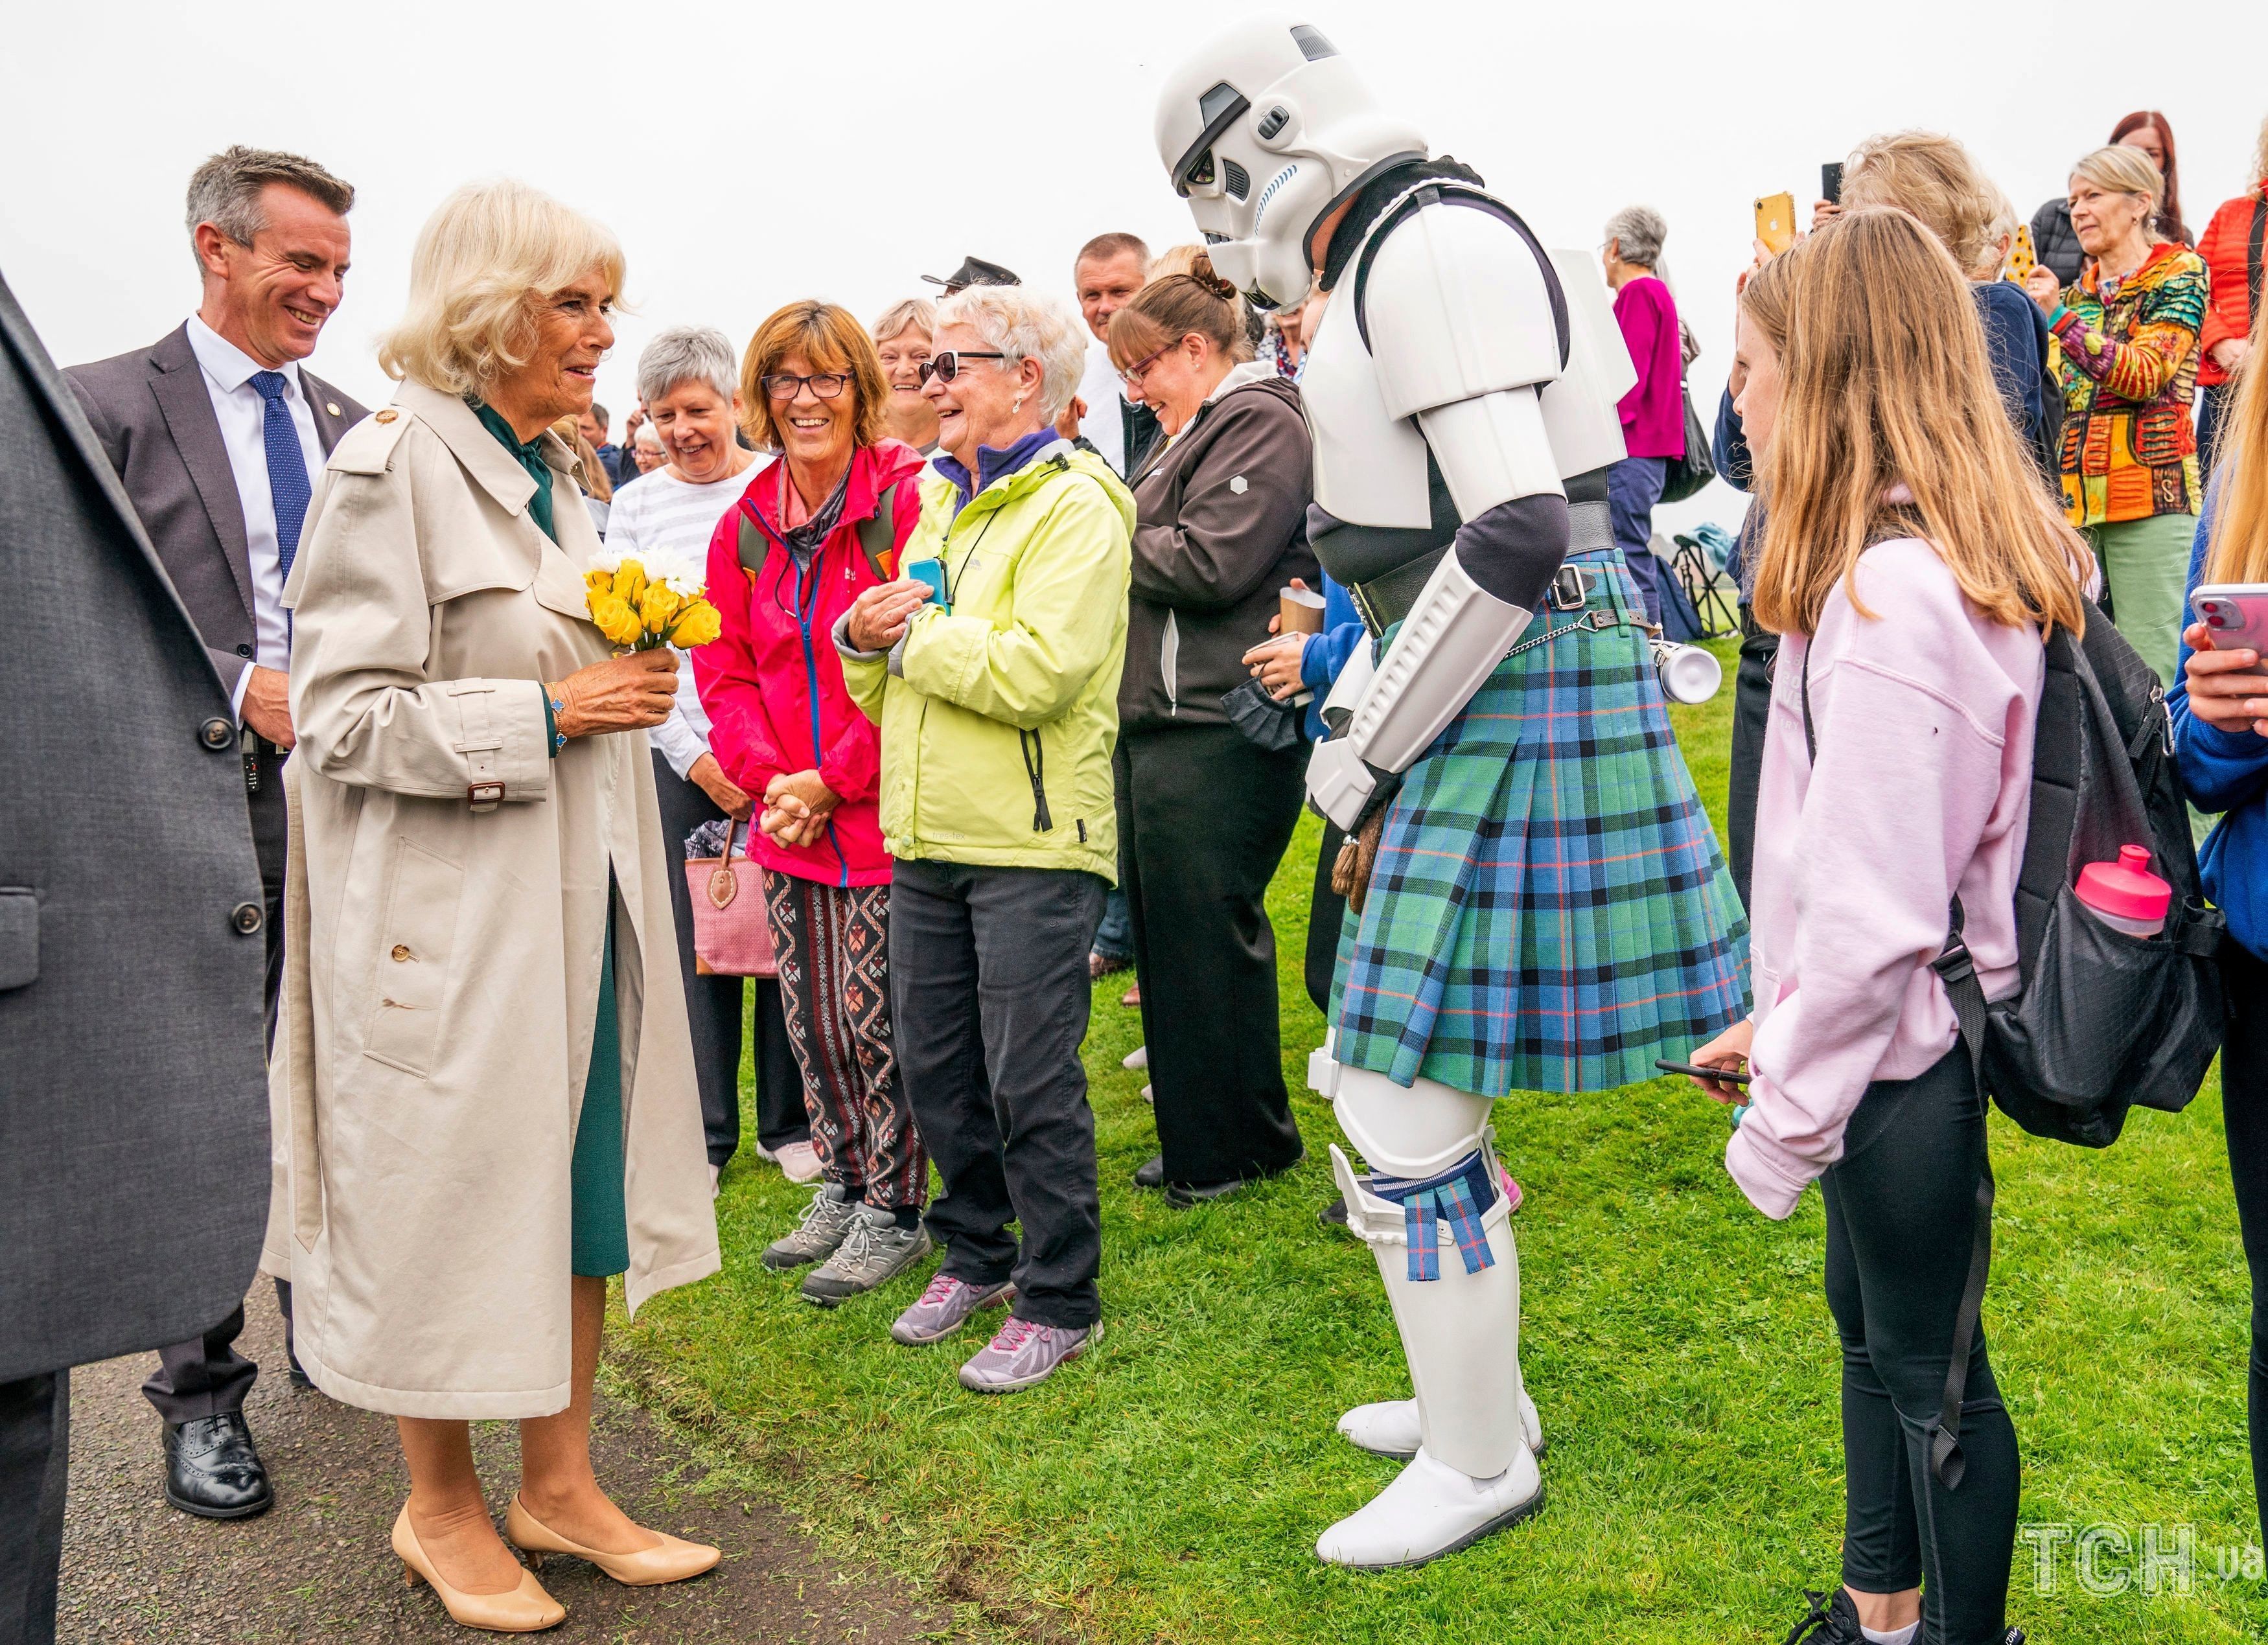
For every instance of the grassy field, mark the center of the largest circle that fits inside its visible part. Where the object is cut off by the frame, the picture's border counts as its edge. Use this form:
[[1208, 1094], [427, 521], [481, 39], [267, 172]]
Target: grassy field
[[1170, 1488]]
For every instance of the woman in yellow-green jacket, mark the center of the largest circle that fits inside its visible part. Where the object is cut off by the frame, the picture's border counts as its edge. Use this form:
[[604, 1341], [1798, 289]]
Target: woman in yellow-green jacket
[[991, 665]]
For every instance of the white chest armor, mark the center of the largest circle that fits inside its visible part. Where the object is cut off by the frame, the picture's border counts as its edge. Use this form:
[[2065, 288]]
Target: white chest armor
[[1459, 308]]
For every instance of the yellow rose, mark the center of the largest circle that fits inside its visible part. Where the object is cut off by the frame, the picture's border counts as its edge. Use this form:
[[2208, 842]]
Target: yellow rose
[[599, 582], [698, 625], [657, 606], [616, 618], [629, 580]]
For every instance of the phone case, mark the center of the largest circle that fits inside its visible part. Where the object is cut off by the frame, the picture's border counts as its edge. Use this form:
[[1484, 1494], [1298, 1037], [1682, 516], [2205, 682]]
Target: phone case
[[932, 572], [2234, 612], [2022, 257], [1775, 223]]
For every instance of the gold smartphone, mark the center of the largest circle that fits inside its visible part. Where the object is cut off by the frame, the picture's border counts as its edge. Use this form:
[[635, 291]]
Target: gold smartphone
[[1775, 223], [2022, 257]]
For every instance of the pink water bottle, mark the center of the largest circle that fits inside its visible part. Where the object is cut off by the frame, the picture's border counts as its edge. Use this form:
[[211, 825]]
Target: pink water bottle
[[2125, 895]]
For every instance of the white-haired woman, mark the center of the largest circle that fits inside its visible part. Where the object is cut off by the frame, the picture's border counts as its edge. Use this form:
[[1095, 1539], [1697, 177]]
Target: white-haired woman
[[688, 383], [2129, 328], [905, 337], [476, 1133], [1653, 412], [999, 704]]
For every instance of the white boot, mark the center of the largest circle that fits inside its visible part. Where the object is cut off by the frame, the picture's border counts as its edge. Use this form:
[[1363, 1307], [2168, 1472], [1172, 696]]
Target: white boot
[[1390, 1427], [1473, 1472]]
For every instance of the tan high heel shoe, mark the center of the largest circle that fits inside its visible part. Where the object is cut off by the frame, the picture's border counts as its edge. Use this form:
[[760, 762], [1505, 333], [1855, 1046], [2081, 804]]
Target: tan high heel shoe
[[673, 1561], [526, 1609]]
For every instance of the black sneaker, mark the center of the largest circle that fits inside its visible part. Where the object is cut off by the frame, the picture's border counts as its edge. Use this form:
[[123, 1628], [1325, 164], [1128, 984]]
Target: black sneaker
[[1832, 1621]]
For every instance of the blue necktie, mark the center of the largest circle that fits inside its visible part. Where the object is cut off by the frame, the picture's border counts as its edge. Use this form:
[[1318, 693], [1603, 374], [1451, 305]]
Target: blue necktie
[[287, 467]]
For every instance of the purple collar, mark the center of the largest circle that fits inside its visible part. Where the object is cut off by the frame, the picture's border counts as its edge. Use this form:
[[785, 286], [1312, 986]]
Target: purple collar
[[992, 464]]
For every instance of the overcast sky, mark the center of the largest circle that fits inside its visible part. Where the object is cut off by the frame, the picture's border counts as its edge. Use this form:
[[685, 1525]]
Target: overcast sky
[[748, 155]]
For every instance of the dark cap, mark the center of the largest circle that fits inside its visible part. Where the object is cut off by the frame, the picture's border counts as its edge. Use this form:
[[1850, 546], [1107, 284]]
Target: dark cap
[[974, 271]]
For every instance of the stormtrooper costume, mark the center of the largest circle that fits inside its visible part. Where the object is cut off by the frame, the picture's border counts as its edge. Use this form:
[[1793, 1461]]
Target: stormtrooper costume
[[1458, 392]]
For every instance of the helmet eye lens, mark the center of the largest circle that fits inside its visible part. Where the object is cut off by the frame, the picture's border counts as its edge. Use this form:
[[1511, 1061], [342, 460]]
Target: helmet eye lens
[[1201, 173]]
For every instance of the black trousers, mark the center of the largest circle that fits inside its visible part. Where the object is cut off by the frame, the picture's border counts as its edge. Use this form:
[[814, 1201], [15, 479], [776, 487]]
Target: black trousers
[[1900, 1206], [714, 1006], [206, 1376], [1751, 708], [989, 995], [2244, 1113], [34, 1465], [1204, 817], [1326, 917]]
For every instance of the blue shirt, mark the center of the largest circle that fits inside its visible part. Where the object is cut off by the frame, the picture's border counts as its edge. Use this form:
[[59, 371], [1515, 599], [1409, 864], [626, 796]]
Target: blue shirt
[[1324, 656], [991, 464], [2224, 772]]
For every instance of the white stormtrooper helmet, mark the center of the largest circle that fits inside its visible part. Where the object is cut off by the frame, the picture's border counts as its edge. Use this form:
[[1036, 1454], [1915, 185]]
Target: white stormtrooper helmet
[[1263, 132]]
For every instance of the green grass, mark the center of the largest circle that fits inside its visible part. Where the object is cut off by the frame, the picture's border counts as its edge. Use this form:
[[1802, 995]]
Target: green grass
[[1170, 1486]]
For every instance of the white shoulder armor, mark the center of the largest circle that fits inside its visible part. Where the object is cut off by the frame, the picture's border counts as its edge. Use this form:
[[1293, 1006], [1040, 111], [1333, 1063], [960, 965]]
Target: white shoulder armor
[[1582, 410], [1458, 305]]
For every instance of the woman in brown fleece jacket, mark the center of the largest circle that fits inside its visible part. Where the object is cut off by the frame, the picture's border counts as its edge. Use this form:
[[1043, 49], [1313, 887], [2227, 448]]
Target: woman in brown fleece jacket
[[1204, 813]]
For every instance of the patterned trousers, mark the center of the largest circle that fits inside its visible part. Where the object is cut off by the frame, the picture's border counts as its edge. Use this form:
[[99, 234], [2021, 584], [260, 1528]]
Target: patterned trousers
[[835, 986]]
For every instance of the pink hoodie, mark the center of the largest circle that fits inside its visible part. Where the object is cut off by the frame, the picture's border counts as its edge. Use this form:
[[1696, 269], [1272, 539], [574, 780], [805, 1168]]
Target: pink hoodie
[[1924, 713]]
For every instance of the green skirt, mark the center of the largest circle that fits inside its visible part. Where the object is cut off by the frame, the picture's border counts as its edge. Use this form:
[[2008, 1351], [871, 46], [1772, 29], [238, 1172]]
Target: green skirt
[[601, 1238]]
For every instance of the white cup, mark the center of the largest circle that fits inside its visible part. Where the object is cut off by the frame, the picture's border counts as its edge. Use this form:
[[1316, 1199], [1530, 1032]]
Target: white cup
[[1689, 674]]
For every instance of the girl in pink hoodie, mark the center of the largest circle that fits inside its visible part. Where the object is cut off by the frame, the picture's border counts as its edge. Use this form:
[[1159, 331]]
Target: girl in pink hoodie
[[1913, 563]]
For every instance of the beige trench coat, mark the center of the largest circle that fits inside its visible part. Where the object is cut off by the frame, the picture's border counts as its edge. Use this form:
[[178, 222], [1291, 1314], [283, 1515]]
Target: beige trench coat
[[445, 914]]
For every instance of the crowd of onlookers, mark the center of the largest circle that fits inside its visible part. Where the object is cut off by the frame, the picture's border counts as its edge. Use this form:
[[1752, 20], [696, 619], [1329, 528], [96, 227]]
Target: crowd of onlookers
[[1006, 699]]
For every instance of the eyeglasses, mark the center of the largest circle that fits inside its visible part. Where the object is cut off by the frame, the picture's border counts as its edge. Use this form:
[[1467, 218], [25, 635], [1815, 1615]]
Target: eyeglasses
[[1132, 375], [787, 386], [946, 366]]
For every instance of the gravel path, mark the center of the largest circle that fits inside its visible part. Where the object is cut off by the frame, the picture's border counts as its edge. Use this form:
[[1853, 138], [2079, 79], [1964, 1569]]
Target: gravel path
[[317, 1565]]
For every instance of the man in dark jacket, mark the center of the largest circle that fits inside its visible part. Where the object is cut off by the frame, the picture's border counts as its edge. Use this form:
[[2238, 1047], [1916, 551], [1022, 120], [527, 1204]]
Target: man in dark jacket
[[134, 1128]]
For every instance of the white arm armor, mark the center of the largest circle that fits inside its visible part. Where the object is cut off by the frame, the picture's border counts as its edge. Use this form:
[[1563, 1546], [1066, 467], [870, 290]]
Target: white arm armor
[[1462, 331]]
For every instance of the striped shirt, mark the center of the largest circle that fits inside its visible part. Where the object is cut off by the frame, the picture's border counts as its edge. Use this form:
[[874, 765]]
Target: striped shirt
[[658, 511]]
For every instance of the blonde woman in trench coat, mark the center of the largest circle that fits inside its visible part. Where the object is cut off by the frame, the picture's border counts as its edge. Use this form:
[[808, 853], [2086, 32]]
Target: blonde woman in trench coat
[[470, 776]]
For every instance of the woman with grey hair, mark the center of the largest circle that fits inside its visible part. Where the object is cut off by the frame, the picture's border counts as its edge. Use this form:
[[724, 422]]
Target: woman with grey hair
[[689, 381], [1653, 412], [904, 338], [483, 1079], [991, 665]]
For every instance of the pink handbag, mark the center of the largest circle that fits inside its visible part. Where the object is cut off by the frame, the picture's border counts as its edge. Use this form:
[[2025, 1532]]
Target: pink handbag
[[732, 933]]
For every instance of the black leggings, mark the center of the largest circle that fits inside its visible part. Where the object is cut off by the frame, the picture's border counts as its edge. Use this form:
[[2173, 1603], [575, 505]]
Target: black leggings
[[2244, 1112], [1900, 1212]]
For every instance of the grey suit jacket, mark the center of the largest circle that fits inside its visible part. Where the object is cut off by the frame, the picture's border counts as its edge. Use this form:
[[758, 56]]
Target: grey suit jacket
[[133, 1093], [154, 417]]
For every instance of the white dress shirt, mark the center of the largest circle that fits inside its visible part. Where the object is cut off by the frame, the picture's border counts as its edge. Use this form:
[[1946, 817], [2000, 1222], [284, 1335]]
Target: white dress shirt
[[660, 511], [1105, 394], [243, 416]]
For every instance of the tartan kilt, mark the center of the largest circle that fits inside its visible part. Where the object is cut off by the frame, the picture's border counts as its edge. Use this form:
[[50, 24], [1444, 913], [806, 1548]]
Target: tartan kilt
[[1548, 910]]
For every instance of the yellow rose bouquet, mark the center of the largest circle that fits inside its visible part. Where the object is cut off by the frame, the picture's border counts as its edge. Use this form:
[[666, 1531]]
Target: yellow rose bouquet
[[642, 605]]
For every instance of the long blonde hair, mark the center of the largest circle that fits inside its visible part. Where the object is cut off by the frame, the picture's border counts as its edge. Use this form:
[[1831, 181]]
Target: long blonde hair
[[1886, 380], [2238, 549]]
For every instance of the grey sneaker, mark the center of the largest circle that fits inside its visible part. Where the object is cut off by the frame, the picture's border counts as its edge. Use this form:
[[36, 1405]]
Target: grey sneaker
[[825, 1220], [875, 1250], [945, 1307], [1024, 1353]]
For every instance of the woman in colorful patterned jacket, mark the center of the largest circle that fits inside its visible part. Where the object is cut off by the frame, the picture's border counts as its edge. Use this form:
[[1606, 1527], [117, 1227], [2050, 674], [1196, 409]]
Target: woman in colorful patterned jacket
[[2127, 337], [2232, 249]]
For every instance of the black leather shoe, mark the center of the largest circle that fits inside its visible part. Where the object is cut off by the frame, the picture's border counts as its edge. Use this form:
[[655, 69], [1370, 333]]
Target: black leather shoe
[[1185, 1194], [212, 1471], [1151, 1173]]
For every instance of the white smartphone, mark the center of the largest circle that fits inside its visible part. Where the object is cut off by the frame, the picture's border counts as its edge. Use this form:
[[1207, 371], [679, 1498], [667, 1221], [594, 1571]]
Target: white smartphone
[[2234, 612]]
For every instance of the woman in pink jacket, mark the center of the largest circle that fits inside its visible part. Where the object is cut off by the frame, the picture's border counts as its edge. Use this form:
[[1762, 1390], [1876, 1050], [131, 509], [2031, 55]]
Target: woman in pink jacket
[[1912, 566], [814, 529]]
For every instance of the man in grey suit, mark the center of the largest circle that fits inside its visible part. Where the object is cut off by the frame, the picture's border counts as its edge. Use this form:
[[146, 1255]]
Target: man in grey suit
[[216, 434], [129, 954]]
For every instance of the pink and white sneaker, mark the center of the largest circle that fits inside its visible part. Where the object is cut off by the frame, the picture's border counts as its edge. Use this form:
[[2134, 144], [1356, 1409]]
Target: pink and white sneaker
[[1024, 1351], [944, 1307]]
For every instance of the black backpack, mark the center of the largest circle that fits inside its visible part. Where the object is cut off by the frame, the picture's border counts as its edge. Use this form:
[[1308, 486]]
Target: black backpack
[[2103, 1021]]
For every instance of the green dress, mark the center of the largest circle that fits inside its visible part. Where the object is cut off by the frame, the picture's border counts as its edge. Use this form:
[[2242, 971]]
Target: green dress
[[599, 1237]]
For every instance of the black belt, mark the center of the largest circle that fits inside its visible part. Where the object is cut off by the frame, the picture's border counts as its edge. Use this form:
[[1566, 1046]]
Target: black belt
[[1385, 600]]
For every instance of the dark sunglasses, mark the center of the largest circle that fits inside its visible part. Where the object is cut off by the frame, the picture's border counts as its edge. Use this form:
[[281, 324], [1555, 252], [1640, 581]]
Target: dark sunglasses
[[946, 366], [786, 385]]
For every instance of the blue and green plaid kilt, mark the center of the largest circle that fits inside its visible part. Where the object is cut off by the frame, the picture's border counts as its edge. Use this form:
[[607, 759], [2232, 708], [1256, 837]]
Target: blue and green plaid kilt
[[1548, 910]]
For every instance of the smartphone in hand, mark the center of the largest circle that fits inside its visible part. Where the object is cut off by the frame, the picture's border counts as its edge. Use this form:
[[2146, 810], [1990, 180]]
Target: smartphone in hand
[[932, 573], [1830, 182], [2023, 257], [1694, 1070], [2235, 614], [1775, 222]]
